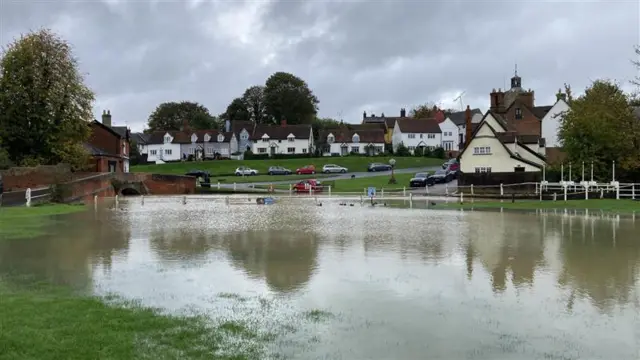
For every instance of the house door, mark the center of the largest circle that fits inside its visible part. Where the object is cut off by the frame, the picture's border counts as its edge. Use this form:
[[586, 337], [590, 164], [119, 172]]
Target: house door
[[461, 142], [112, 166], [273, 150], [344, 150]]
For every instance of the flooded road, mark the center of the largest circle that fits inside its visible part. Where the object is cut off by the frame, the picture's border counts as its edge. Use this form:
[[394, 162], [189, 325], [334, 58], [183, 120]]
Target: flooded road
[[388, 283]]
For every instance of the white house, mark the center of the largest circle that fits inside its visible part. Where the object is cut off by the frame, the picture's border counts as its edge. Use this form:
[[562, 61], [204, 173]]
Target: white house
[[494, 149], [283, 139], [459, 119], [416, 133], [551, 122], [450, 135], [343, 141], [163, 146]]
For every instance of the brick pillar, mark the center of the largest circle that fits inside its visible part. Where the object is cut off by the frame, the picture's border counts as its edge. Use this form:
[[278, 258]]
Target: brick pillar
[[467, 116]]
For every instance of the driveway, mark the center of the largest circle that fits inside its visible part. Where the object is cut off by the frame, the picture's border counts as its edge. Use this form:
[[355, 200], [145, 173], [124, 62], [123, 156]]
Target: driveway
[[337, 176]]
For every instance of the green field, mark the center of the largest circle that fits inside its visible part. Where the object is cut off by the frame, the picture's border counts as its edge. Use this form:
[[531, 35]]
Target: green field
[[227, 167], [359, 184], [40, 322], [25, 222], [261, 178], [608, 205]]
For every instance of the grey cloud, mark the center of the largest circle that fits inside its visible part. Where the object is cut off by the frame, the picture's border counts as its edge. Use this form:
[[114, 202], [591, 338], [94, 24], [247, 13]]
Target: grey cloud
[[375, 56]]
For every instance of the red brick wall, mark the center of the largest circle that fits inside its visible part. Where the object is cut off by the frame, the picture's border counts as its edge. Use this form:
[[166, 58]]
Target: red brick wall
[[170, 184], [84, 189], [104, 139], [33, 177], [528, 125]]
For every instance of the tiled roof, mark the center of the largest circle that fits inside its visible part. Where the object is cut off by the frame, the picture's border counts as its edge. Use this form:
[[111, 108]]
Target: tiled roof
[[418, 126], [184, 137], [122, 130], [95, 151], [541, 111], [511, 136], [345, 135], [139, 138], [237, 126], [278, 132], [458, 118]]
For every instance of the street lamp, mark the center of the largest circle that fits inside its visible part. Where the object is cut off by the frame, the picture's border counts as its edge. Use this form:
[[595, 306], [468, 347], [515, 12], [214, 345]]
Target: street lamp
[[392, 180]]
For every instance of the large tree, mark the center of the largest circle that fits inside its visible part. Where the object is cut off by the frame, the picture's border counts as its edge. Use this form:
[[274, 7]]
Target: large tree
[[172, 116], [237, 110], [45, 107], [424, 111], [600, 127], [287, 97], [253, 99]]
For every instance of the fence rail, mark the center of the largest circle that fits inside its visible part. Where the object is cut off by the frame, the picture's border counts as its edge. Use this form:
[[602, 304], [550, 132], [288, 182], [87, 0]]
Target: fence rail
[[25, 197]]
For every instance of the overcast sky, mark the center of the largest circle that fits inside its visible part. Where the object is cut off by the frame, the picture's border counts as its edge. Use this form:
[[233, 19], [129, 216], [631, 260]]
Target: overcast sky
[[376, 56]]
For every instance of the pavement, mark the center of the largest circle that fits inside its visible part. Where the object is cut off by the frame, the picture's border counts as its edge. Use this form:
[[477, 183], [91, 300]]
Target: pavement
[[348, 175]]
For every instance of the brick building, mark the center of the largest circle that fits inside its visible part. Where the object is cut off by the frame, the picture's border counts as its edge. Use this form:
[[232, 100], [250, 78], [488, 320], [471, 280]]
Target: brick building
[[108, 146]]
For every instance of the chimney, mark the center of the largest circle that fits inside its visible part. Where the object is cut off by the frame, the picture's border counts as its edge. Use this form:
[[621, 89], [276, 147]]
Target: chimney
[[364, 115], [403, 112], [106, 118], [185, 125], [382, 115], [227, 126], [283, 122], [439, 116], [467, 117]]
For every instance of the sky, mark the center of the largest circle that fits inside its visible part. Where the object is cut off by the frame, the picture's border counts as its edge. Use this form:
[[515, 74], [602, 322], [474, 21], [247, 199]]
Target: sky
[[374, 56]]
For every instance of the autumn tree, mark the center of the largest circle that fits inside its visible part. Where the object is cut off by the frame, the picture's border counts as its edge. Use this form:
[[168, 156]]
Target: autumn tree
[[253, 99], [424, 111], [287, 97], [172, 116], [45, 107], [600, 127]]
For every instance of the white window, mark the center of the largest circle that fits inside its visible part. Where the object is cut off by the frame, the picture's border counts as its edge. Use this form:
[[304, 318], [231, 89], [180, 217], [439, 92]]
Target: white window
[[244, 136], [192, 150], [224, 151], [378, 149], [207, 137], [356, 138], [431, 136], [194, 137], [483, 170], [330, 139], [411, 136], [153, 152], [265, 139], [411, 148], [291, 150], [355, 149], [167, 151], [304, 151], [421, 135], [167, 139], [447, 145], [210, 150], [262, 150], [482, 150], [220, 138], [291, 138]]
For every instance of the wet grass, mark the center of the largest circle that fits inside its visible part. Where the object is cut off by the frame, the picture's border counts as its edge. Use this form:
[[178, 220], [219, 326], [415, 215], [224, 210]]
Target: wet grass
[[42, 322], [379, 182], [607, 205], [317, 315], [27, 222]]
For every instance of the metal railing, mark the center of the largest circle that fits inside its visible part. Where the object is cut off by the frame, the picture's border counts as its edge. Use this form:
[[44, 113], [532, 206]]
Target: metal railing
[[25, 197]]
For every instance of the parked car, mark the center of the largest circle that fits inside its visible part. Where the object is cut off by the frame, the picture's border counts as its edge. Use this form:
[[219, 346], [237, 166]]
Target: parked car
[[306, 170], [198, 173], [378, 167], [306, 185], [421, 180], [454, 170], [331, 168], [278, 170], [441, 176], [243, 170], [450, 162]]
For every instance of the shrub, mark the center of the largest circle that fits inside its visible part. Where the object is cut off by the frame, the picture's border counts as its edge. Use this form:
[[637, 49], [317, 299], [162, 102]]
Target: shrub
[[439, 153], [402, 151]]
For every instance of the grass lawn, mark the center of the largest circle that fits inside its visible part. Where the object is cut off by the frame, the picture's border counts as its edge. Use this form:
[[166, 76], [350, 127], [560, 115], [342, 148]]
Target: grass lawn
[[262, 178], [608, 205], [39, 322], [226, 167], [24, 222], [379, 182]]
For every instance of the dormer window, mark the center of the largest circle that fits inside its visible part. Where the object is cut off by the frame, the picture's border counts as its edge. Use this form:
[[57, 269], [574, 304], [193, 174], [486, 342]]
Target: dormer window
[[291, 138], [194, 138], [167, 139], [207, 137], [220, 138], [330, 139], [265, 138], [355, 138], [518, 114]]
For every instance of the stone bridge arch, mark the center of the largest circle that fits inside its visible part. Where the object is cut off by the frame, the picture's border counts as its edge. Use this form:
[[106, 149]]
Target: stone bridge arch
[[130, 191]]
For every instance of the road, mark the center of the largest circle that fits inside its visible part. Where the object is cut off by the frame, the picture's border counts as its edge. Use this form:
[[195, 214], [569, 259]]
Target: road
[[363, 174]]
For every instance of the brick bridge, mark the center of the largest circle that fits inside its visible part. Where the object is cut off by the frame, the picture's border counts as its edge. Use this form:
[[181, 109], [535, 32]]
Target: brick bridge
[[83, 186]]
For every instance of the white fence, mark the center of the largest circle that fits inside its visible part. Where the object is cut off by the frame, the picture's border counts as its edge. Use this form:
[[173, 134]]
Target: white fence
[[25, 197], [559, 191]]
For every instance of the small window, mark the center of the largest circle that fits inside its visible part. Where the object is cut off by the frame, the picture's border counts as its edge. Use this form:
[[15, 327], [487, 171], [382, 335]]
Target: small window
[[355, 149], [153, 152], [330, 139], [411, 136], [291, 150], [518, 114], [356, 138], [262, 150], [304, 151], [167, 152]]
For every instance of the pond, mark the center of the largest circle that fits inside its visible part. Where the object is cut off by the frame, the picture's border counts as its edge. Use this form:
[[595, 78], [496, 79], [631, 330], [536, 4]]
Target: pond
[[388, 282]]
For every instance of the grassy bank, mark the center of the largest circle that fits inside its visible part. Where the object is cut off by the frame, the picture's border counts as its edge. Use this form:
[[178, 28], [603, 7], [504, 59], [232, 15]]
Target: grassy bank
[[262, 178], [24, 222], [43, 323], [379, 182], [608, 205], [226, 167]]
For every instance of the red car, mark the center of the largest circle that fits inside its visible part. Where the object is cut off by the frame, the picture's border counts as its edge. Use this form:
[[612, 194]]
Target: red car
[[306, 185], [309, 169]]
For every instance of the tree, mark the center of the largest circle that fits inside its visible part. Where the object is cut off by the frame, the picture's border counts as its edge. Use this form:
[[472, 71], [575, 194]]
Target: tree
[[172, 116], [288, 97], [237, 110], [253, 99], [135, 157], [600, 127], [45, 107], [5, 162], [636, 79], [424, 111]]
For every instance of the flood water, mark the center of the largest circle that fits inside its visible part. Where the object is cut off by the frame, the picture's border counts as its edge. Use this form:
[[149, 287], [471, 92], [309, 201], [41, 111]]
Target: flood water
[[395, 283]]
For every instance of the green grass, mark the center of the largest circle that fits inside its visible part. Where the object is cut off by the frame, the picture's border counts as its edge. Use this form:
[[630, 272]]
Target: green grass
[[262, 178], [39, 322], [26, 222], [379, 182], [608, 205], [226, 167]]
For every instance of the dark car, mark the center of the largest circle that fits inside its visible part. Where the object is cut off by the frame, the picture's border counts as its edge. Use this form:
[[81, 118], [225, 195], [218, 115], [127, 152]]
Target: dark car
[[378, 167], [198, 173], [421, 180], [450, 162], [278, 170], [441, 176]]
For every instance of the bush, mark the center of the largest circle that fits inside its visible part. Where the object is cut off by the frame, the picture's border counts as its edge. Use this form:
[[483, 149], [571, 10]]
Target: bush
[[427, 152], [402, 151], [419, 151], [439, 153]]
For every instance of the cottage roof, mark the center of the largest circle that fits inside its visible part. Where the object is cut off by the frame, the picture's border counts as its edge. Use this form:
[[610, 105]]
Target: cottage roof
[[459, 118], [424, 126], [184, 137], [345, 135], [280, 132]]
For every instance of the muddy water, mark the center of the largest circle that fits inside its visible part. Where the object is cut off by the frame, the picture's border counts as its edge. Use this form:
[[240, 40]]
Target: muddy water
[[393, 283]]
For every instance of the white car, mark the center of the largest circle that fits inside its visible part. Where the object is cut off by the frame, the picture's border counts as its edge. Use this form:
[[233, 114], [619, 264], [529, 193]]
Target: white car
[[331, 168], [245, 171]]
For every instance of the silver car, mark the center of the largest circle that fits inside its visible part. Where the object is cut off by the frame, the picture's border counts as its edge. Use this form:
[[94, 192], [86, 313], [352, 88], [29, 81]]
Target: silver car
[[245, 171], [331, 168]]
